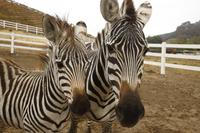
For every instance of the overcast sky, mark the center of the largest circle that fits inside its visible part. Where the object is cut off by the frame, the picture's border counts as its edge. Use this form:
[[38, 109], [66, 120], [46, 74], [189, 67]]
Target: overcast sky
[[166, 16]]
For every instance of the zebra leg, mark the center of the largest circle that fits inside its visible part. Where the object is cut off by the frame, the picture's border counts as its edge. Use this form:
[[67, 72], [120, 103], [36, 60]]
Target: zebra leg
[[106, 127], [74, 124], [88, 129]]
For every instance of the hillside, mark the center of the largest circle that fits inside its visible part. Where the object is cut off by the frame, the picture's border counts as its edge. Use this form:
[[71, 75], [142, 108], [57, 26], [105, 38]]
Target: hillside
[[12, 11], [187, 32]]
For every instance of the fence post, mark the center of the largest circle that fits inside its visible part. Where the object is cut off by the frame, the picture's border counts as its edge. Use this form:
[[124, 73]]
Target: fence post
[[12, 42], [26, 28], [36, 30], [163, 59], [4, 24], [16, 26]]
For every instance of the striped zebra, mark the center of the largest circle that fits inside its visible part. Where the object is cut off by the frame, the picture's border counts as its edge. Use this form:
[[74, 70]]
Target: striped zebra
[[43, 101], [81, 32], [116, 68]]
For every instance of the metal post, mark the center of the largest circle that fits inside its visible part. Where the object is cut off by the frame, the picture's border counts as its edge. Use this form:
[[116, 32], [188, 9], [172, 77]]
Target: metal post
[[163, 58], [12, 42]]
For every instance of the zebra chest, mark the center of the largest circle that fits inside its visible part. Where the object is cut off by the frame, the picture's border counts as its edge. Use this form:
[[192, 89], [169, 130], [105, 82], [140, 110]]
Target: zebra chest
[[35, 124], [102, 111], [40, 119], [10, 110]]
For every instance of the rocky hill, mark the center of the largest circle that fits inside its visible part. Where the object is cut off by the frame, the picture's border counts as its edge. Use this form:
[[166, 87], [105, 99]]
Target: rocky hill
[[187, 32], [16, 12]]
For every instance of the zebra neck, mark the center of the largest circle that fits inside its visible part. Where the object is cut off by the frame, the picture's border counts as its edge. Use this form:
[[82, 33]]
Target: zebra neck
[[52, 85], [98, 75], [99, 64]]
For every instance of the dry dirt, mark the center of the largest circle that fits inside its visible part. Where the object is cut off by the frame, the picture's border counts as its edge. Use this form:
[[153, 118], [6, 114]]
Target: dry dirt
[[172, 103]]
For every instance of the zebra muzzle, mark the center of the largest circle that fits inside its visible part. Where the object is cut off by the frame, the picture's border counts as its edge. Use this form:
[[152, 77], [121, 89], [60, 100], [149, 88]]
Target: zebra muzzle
[[80, 104], [129, 109]]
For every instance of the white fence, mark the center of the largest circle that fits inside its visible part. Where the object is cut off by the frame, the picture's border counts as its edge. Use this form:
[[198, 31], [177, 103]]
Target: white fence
[[163, 55], [40, 44], [20, 41], [22, 27]]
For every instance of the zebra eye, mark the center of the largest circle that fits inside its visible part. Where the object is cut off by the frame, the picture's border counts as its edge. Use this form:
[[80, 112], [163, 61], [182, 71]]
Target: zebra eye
[[140, 76], [60, 64], [110, 48]]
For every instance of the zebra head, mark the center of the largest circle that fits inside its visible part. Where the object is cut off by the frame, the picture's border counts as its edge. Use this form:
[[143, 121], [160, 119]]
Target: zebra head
[[126, 47], [69, 57]]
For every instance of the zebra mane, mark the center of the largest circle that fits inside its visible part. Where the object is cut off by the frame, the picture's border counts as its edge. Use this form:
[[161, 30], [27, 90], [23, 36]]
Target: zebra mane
[[64, 26], [100, 39], [11, 62], [66, 41]]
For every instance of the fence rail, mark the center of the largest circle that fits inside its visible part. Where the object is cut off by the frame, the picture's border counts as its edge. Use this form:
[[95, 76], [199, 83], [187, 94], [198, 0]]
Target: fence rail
[[20, 41], [22, 27], [163, 55]]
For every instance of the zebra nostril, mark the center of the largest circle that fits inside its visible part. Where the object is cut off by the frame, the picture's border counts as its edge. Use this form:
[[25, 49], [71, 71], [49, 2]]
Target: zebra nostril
[[119, 113], [142, 112], [142, 115]]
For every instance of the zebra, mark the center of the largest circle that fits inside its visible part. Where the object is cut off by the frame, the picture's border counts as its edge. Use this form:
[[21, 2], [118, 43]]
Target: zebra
[[116, 68], [44, 101], [81, 32]]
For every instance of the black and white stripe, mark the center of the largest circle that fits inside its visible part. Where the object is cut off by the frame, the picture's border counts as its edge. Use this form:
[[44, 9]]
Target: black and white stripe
[[42, 101], [116, 68], [32, 101]]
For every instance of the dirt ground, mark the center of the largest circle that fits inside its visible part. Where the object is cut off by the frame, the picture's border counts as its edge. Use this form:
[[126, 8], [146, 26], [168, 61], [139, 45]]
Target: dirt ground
[[172, 104]]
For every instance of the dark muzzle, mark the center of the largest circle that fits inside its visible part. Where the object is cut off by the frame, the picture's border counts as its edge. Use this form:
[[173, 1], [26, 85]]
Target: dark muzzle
[[129, 110], [80, 105]]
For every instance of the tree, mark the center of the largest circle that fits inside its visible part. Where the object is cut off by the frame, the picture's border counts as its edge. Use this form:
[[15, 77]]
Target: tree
[[154, 39]]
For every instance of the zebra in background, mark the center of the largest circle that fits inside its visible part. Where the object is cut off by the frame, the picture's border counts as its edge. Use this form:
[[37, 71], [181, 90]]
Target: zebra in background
[[81, 32], [43, 101], [116, 68]]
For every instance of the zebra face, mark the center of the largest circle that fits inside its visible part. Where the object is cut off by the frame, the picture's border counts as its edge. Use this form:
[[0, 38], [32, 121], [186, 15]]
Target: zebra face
[[72, 75], [126, 46], [126, 49], [69, 58]]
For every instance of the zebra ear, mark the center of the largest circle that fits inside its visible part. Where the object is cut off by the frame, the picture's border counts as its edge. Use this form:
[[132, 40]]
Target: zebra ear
[[110, 10], [128, 9], [50, 27], [144, 12]]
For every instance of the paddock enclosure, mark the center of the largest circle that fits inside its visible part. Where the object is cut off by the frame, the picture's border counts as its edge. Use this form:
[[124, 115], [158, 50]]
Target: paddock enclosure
[[172, 101]]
